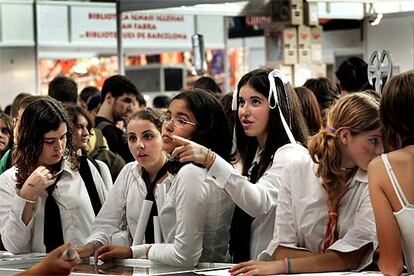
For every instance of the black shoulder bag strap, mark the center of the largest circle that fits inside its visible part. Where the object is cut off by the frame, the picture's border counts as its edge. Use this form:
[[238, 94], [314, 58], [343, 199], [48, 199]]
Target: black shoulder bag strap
[[86, 175]]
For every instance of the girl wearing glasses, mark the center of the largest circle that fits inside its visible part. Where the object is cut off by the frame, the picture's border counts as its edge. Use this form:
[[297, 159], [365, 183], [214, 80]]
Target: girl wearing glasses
[[6, 133], [391, 177], [44, 201], [324, 218], [194, 217], [267, 126]]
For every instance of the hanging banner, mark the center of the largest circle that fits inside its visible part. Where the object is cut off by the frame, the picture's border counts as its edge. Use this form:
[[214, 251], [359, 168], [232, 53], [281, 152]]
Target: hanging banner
[[92, 25]]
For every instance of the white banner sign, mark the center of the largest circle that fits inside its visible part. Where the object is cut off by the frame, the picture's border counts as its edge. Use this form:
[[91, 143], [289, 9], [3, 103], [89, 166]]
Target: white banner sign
[[138, 30]]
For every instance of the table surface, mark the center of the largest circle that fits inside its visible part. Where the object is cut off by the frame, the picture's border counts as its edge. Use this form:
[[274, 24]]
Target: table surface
[[10, 264]]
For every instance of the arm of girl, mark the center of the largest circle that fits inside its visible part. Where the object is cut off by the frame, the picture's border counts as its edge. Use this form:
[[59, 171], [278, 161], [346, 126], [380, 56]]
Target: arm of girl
[[311, 262], [391, 260]]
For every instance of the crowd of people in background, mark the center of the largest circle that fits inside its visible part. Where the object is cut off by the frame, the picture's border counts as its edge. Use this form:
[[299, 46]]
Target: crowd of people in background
[[273, 178]]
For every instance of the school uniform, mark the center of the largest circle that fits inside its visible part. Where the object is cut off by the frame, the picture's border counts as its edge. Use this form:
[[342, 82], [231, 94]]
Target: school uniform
[[121, 210], [302, 213], [258, 200], [195, 220], [72, 198]]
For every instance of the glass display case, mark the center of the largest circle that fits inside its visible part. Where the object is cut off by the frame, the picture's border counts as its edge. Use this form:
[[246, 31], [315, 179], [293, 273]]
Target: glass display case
[[10, 264]]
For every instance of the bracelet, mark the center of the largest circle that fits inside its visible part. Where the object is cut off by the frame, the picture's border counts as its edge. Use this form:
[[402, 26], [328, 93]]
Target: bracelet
[[212, 159], [206, 158], [28, 200], [95, 245], [288, 266]]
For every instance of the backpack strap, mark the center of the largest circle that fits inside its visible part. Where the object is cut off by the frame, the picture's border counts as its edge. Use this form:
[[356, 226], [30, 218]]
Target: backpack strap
[[87, 178], [99, 138], [103, 124], [93, 161]]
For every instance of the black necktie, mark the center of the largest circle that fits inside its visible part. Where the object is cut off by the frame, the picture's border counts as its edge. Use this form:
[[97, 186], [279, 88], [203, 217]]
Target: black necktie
[[52, 234], [87, 178], [149, 231], [239, 244]]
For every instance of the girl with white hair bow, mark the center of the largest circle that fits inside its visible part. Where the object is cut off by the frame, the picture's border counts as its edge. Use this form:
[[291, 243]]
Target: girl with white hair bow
[[268, 133]]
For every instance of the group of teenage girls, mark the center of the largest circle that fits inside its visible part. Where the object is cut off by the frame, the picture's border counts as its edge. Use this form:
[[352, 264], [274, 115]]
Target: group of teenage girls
[[299, 204]]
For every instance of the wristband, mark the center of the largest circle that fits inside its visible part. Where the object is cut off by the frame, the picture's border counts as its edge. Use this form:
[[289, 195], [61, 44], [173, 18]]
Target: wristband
[[288, 266], [95, 245], [28, 200], [206, 158]]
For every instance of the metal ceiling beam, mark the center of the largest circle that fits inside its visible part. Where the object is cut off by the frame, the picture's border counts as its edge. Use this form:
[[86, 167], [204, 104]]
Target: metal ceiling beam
[[361, 1], [133, 5]]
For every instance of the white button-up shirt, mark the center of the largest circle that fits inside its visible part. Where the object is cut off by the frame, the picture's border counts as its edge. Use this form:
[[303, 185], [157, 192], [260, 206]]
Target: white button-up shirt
[[121, 210], [302, 212], [75, 207], [195, 220], [258, 200]]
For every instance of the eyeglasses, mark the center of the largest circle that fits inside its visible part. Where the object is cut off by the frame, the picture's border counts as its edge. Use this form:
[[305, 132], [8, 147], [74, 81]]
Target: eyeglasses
[[5, 130], [177, 122]]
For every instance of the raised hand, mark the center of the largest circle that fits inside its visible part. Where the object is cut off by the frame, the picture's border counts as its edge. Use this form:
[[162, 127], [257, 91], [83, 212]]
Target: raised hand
[[36, 183], [189, 151]]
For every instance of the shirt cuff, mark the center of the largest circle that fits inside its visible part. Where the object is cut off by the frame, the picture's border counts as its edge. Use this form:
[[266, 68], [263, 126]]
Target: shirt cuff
[[140, 251], [267, 255], [220, 172]]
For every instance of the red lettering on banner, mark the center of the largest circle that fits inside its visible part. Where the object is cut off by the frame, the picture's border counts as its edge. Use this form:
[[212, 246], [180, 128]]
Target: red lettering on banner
[[141, 17], [257, 20], [128, 35], [126, 26], [100, 34], [140, 35], [135, 26], [101, 16], [167, 36], [176, 18], [144, 26], [108, 35]]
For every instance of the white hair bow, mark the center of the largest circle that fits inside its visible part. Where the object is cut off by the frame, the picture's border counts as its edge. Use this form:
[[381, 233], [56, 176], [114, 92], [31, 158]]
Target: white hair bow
[[272, 93]]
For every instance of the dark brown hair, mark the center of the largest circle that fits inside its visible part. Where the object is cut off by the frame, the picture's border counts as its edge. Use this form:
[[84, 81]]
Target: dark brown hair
[[276, 134], [212, 127], [74, 111], [149, 114], [326, 92], [41, 116], [396, 110], [310, 109]]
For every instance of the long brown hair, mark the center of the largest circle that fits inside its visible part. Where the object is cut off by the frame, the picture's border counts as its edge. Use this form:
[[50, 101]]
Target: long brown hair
[[276, 134], [396, 111], [41, 116], [310, 109], [358, 112]]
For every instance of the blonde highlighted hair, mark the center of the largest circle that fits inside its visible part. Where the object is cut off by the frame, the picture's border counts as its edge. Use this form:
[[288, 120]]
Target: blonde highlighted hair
[[358, 112]]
